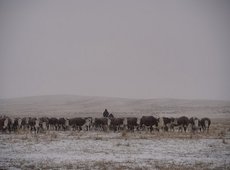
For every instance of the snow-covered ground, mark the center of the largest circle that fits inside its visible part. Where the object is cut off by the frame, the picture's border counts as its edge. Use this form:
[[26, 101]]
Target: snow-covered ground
[[100, 150]]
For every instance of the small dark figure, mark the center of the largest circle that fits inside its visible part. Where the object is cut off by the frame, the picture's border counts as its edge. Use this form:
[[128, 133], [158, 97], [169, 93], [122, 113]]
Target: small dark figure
[[105, 113], [111, 116]]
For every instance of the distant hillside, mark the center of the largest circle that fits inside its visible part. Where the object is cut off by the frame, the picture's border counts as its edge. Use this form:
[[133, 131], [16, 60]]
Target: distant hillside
[[74, 104]]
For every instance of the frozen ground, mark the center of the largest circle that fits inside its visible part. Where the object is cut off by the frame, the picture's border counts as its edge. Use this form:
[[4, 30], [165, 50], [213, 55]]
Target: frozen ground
[[101, 150], [98, 150]]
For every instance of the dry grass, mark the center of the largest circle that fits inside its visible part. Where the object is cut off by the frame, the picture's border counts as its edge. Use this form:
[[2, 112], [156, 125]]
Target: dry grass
[[217, 131], [98, 138], [53, 135], [123, 144], [124, 133]]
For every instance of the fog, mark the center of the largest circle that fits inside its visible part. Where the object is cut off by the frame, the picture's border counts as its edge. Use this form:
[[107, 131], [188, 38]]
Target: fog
[[131, 49]]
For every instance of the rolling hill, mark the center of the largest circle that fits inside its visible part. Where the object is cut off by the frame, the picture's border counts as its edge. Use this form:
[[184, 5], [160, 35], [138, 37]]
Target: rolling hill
[[86, 104]]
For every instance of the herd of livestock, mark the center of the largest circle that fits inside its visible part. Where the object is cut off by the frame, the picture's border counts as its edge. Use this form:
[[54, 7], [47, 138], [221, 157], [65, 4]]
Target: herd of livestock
[[105, 123]]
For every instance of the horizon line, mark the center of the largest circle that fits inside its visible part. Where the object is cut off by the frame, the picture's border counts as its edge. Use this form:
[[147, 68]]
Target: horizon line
[[131, 98]]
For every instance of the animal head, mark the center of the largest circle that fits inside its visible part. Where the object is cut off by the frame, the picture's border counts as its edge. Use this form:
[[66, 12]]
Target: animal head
[[6, 121], [44, 125], [161, 122], [19, 121], [12, 120], [88, 121], [66, 122], [37, 122], [174, 121], [196, 122], [125, 121]]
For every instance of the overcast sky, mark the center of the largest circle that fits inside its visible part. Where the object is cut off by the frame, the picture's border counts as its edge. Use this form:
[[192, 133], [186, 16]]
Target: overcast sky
[[119, 48]]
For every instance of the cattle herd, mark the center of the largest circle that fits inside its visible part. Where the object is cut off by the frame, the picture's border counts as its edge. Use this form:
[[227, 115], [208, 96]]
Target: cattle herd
[[106, 123]]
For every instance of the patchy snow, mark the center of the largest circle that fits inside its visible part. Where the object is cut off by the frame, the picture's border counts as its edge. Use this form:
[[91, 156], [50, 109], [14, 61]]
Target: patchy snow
[[87, 148]]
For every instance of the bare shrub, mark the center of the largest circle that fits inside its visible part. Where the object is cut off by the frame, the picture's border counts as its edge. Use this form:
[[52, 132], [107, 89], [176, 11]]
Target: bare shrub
[[53, 136], [25, 137], [101, 165], [124, 134], [98, 138], [223, 141], [143, 137], [72, 133], [222, 133], [127, 145], [120, 144]]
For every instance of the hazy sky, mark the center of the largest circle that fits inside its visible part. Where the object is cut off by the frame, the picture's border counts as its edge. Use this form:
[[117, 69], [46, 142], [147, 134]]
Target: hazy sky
[[120, 48]]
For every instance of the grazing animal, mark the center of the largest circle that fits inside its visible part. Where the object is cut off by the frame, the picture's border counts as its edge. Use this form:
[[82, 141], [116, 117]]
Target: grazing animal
[[148, 121], [110, 116], [172, 124], [25, 123], [63, 124], [88, 123], [4, 123], [108, 121], [53, 123], [165, 123], [11, 122], [118, 123], [132, 123], [205, 123], [44, 122], [101, 123], [182, 123], [16, 124], [77, 123], [34, 125], [195, 124]]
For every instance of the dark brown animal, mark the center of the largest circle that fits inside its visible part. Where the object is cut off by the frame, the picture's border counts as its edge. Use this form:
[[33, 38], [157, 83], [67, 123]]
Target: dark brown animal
[[77, 123], [101, 123], [110, 116], [4, 123], [53, 123], [182, 123], [117, 124], [149, 121], [205, 123], [10, 124], [25, 123], [62, 124], [16, 124], [132, 123], [34, 124]]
